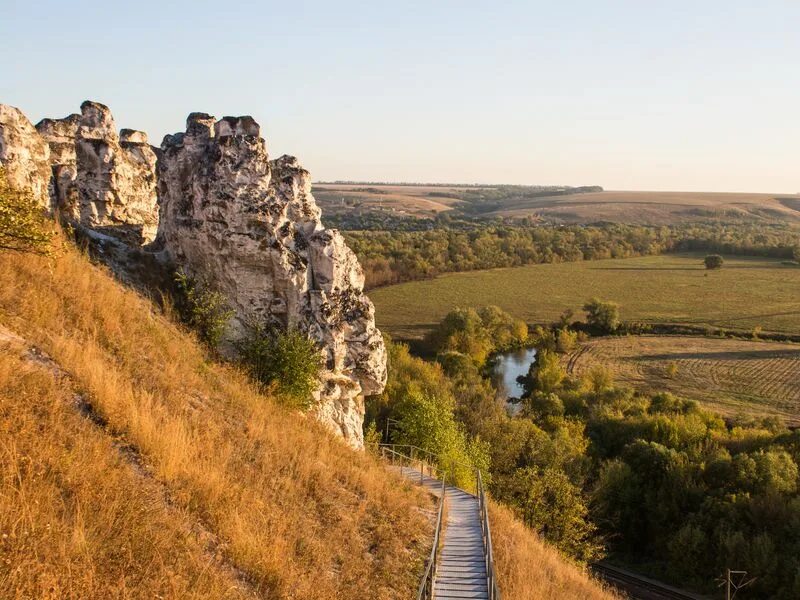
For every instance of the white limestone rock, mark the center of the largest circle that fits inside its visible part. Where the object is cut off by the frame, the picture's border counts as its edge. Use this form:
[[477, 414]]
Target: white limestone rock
[[103, 180], [251, 228], [60, 136], [24, 155]]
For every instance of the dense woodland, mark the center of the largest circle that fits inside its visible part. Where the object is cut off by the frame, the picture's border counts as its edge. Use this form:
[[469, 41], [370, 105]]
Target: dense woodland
[[654, 481], [396, 256]]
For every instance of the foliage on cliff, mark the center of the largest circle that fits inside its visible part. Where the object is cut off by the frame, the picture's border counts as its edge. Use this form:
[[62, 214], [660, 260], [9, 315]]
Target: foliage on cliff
[[23, 226]]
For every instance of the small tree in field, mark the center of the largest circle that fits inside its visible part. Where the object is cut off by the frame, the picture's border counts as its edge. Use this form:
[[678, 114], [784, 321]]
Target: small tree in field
[[23, 226], [713, 261], [602, 316]]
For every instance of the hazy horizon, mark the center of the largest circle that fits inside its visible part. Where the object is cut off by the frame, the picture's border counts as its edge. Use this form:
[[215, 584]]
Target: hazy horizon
[[623, 95]]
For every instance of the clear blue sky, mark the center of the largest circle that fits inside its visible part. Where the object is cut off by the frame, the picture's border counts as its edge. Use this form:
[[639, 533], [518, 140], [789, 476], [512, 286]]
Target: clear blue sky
[[672, 95]]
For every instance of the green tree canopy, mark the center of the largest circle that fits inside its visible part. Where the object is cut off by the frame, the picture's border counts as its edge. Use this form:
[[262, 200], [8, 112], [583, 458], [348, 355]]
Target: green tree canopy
[[602, 316], [713, 261]]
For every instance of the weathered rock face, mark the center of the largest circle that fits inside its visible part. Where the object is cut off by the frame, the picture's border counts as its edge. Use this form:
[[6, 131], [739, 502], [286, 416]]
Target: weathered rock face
[[229, 215], [103, 180], [24, 155], [60, 136], [251, 228]]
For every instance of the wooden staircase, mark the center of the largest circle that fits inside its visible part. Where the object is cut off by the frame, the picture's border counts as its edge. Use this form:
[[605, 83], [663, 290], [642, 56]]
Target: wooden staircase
[[461, 564]]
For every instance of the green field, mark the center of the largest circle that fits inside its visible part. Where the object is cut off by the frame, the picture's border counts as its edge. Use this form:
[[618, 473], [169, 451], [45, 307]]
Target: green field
[[746, 293]]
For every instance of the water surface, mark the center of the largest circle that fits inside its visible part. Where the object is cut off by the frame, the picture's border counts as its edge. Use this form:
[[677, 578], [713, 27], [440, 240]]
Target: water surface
[[509, 366]]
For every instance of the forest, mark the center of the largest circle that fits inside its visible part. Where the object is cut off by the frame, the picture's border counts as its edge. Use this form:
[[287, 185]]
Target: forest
[[395, 256], [653, 481]]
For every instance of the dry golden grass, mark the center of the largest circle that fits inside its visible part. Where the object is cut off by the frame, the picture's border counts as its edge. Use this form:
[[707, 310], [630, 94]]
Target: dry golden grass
[[731, 376], [529, 569], [184, 481], [78, 521], [296, 513]]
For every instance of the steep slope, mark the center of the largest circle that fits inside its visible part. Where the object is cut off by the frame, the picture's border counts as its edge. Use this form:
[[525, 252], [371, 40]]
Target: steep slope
[[529, 569], [180, 480], [134, 467], [227, 216]]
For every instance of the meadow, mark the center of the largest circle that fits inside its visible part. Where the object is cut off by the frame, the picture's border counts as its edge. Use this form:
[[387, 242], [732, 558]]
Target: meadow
[[746, 293], [730, 376]]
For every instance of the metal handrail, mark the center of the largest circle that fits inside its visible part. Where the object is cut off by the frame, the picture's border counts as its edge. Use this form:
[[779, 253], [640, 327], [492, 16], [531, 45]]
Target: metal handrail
[[486, 531], [427, 584], [435, 462]]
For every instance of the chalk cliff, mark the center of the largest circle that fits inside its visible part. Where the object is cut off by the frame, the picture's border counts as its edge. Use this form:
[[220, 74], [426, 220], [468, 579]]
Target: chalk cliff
[[24, 154], [223, 212], [102, 179], [251, 227]]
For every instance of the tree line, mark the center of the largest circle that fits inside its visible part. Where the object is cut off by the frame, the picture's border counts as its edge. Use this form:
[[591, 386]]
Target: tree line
[[395, 256]]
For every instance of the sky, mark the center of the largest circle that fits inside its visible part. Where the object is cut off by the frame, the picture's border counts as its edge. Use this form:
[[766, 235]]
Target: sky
[[637, 95]]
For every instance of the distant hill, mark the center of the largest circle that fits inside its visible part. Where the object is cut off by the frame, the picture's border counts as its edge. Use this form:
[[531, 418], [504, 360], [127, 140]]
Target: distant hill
[[547, 204]]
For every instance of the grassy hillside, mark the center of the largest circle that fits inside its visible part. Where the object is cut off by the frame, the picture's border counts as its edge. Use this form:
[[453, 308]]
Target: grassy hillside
[[730, 376], [212, 490], [529, 569], [135, 467], [744, 294]]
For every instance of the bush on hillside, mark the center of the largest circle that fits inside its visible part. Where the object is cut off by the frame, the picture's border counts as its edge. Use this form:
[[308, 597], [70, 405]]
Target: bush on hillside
[[202, 308], [288, 359], [23, 226]]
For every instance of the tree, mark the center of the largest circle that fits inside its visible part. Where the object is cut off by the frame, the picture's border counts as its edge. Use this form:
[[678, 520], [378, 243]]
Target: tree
[[289, 359], [551, 504], [23, 226], [566, 340], [713, 261], [602, 316], [462, 330], [545, 405], [546, 372]]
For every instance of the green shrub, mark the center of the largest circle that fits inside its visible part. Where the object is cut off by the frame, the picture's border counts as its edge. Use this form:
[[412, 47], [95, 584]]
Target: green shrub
[[287, 359], [546, 372], [23, 226], [203, 309]]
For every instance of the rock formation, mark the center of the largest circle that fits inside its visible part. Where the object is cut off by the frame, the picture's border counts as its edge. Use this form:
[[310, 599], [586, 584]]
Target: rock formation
[[60, 136], [226, 214], [24, 155], [103, 180], [251, 228]]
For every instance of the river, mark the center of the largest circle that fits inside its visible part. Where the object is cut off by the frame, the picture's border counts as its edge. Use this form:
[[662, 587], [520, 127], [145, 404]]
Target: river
[[509, 366]]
